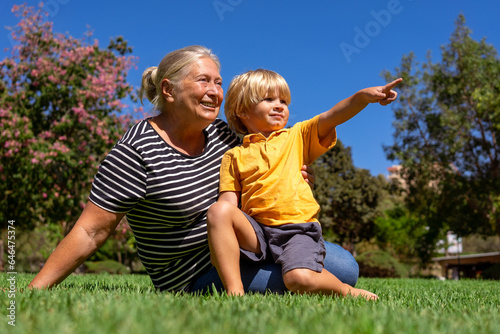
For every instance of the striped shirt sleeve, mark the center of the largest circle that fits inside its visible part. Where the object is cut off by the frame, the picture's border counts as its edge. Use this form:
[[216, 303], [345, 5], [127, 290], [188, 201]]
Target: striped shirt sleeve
[[120, 181]]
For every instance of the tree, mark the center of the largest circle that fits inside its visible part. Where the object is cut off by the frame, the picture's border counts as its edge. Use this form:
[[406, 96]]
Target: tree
[[447, 126], [348, 196], [397, 231], [60, 104]]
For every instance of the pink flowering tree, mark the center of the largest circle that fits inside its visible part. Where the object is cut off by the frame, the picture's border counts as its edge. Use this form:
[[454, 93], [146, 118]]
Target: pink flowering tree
[[61, 111]]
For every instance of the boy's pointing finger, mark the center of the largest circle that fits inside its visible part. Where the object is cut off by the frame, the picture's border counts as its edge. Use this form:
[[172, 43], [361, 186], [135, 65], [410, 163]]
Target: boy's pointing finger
[[393, 84]]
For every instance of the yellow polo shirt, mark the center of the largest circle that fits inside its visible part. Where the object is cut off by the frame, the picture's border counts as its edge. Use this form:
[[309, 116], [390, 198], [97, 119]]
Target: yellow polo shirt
[[267, 173]]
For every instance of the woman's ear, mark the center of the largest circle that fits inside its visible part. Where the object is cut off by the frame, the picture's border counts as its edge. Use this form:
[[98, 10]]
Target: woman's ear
[[167, 90]]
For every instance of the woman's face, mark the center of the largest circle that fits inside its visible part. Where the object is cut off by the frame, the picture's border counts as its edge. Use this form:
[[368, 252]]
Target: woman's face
[[199, 95]]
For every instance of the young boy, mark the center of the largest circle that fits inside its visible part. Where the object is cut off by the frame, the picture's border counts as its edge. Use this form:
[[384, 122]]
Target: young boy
[[278, 211]]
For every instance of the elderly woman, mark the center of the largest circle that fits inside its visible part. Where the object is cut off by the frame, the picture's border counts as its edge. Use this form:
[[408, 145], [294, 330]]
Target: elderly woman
[[163, 175]]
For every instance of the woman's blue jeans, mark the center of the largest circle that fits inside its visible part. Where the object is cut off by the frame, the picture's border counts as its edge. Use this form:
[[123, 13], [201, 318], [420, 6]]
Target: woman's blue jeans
[[262, 277]]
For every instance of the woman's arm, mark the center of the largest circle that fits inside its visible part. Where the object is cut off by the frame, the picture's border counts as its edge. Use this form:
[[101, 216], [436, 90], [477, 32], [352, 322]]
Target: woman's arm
[[89, 233]]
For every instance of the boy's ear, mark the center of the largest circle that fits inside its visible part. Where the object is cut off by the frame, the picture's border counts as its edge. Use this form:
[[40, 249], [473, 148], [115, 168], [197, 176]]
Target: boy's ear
[[167, 90], [241, 115]]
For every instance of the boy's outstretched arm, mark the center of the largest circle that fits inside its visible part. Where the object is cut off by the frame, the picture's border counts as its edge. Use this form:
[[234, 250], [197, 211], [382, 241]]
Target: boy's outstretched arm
[[351, 106]]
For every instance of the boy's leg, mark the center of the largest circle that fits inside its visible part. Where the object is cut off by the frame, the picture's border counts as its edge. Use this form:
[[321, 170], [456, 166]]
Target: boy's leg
[[266, 276], [341, 263], [228, 231], [300, 249], [305, 281]]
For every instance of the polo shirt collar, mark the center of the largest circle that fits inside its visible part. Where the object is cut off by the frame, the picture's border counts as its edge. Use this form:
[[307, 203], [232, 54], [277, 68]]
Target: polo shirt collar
[[256, 137]]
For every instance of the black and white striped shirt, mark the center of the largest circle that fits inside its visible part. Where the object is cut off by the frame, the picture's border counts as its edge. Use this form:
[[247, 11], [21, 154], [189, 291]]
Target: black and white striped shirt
[[166, 195]]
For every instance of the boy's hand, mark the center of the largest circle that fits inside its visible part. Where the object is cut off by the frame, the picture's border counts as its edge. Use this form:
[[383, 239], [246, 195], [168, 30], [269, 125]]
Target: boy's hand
[[381, 94]]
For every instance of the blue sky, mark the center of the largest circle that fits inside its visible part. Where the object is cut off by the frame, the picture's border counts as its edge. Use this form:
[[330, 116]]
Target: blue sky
[[326, 50]]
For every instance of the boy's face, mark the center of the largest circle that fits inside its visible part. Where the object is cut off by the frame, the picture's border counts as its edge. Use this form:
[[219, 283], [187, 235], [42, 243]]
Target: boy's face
[[267, 116]]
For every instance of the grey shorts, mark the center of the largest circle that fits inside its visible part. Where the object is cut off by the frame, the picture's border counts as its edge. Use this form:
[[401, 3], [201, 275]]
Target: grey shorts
[[292, 246]]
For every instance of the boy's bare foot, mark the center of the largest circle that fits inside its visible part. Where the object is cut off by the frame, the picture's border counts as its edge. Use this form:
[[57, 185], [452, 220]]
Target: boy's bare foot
[[235, 290], [362, 293], [235, 293]]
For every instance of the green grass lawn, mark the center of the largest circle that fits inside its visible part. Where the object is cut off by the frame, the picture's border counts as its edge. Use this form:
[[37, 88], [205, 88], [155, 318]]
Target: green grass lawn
[[129, 304]]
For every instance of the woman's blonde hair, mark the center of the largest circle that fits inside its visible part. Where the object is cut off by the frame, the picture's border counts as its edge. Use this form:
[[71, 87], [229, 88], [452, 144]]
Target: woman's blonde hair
[[174, 67], [248, 89]]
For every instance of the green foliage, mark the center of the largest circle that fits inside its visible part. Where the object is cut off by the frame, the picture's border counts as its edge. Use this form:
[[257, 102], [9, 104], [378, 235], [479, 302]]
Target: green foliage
[[128, 303], [106, 266], [379, 263], [447, 138], [34, 246], [479, 244], [399, 231], [348, 196]]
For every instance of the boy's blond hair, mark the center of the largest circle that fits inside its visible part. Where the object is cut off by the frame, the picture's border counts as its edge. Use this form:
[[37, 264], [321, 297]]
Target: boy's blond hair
[[248, 89]]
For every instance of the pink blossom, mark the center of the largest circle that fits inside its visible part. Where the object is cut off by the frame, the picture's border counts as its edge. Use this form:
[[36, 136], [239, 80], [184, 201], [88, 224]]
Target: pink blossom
[[43, 58], [60, 147], [53, 79], [46, 135], [40, 155]]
